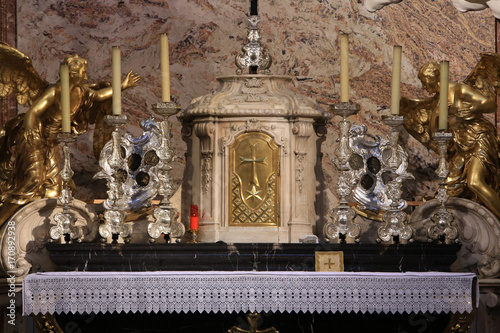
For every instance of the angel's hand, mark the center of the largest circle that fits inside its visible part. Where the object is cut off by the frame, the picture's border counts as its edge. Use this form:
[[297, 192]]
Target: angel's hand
[[130, 80], [32, 136], [465, 112]]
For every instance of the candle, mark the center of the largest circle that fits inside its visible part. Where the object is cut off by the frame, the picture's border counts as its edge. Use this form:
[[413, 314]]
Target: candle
[[116, 82], [443, 95], [65, 98], [396, 80], [344, 68], [193, 217], [165, 69]]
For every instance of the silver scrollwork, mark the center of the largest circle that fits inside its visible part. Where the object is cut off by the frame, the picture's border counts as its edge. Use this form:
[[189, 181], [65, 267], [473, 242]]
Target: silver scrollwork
[[254, 54], [342, 222], [115, 204], [65, 221], [166, 216], [443, 227], [396, 222]]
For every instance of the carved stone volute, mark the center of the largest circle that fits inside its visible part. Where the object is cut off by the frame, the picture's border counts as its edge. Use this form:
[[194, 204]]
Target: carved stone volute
[[479, 231]]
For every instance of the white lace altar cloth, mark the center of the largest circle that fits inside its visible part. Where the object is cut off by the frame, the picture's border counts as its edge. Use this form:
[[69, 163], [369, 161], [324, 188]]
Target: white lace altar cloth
[[131, 292]]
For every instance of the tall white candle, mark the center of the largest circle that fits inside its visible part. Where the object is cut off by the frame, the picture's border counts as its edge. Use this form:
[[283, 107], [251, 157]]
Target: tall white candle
[[65, 98], [116, 82], [396, 80], [165, 69], [443, 95], [344, 68]]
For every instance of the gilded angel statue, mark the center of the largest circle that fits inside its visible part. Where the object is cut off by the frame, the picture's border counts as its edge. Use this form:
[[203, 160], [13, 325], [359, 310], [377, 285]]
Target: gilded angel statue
[[29, 155], [473, 153]]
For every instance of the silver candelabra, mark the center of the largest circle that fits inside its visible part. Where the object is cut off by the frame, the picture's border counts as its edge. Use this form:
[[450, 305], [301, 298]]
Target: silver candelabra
[[115, 215], [442, 228], [166, 216], [342, 223]]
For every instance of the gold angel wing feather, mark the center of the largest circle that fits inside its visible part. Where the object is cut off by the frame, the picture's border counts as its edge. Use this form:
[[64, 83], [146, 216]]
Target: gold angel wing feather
[[421, 119], [18, 76], [485, 75]]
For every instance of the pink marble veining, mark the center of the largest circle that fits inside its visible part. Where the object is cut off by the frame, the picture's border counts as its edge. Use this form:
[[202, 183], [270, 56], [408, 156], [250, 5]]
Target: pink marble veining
[[302, 36]]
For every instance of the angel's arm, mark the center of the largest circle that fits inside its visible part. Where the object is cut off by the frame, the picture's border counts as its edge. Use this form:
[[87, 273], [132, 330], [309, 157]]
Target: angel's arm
[[472, 99], [105, 93], [34, 113]]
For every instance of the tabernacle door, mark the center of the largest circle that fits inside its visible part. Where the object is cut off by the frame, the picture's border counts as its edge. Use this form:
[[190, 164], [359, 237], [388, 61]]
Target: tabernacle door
[[254, 173]]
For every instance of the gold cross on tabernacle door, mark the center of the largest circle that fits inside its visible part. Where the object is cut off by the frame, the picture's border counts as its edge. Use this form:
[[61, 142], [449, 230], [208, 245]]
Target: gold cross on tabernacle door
[[254, 161]]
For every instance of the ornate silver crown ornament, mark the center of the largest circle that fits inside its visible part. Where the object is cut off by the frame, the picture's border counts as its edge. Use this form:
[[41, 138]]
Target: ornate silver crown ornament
[[254, 57]]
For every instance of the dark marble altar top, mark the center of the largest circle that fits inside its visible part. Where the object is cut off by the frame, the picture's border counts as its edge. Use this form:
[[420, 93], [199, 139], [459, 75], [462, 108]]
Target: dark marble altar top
[[418, 257]]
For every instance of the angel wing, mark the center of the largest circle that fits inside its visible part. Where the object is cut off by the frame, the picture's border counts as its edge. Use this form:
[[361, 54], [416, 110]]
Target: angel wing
[[421, 118], [18, 76], [485, 75]]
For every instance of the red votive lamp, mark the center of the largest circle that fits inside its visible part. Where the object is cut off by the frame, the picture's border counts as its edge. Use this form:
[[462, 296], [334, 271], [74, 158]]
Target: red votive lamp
[[193, 217]]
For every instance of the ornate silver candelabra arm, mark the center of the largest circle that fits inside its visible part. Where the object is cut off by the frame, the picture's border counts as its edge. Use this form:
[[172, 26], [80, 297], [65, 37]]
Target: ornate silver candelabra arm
[[343, 151], [443, 227], [114, 214], [342, 223], [65, 221], [166, 216], [396, 224]]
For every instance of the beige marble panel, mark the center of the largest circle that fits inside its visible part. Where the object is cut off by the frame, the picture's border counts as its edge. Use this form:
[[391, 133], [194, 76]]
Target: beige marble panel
[[302, 36]]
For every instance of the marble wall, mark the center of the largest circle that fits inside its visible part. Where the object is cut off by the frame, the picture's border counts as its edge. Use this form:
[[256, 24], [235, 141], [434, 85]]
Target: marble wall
[[301, 35]]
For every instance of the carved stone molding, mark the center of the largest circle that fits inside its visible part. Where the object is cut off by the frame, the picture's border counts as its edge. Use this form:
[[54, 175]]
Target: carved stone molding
[[250, 125], [479, 231], [205, 131], [253, 95], [24, 236], [303, 132]]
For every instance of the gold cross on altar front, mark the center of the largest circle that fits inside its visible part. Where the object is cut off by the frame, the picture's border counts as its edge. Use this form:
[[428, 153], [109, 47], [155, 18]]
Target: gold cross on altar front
[[254, 160], [330, 263]]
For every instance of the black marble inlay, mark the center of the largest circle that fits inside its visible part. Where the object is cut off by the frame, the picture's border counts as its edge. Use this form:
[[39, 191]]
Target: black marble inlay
[[283, 322], [243, 257]]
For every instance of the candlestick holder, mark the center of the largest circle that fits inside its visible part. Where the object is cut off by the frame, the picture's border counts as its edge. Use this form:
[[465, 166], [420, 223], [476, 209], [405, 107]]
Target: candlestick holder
[[65, 221], [343, 216], [166, 216], [114, 214], [396, 222], [443, 227], [194, 236]]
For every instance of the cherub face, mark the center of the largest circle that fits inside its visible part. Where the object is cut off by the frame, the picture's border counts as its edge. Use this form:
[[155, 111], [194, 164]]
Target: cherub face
[[79, 75], [430, 83]]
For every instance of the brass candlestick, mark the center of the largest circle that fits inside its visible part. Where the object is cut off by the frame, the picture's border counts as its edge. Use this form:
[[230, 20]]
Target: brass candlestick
[[194, 236], [115, 214], [65, 227], [166, 216]]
